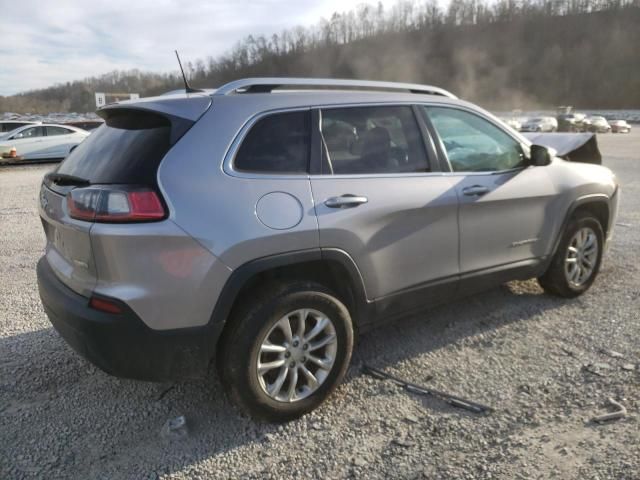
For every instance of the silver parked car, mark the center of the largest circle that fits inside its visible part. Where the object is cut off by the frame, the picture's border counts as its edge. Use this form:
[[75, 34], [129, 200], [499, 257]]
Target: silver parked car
[[540, 124], [261, 228]]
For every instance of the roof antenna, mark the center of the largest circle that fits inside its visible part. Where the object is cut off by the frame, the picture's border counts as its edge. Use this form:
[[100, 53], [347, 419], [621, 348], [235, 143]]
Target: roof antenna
[[187, 88]]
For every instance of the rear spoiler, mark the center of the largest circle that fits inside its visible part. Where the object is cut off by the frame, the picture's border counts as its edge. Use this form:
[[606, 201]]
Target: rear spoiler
[[180, 111]]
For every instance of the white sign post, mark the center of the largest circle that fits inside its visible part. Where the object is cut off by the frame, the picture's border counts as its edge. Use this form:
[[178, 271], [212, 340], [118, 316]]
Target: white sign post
[[100, 100], [101, 97]]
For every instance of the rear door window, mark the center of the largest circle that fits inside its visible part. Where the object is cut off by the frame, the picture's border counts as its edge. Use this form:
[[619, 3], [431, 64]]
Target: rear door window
[[279, 143], [369, 140]]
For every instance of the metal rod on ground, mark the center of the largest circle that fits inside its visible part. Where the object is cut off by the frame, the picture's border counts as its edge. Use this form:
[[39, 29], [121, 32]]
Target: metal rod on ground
[[607, 417], [412, 387]]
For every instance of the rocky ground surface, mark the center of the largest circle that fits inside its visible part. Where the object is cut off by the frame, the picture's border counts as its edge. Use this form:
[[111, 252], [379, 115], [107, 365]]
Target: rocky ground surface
[[545, 364]]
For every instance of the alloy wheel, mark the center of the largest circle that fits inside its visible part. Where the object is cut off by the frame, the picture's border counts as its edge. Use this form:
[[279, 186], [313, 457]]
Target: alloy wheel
[[297, 355], [581, 257]]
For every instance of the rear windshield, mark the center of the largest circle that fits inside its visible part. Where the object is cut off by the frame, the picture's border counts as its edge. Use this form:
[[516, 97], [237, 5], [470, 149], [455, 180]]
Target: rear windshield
[[128, 149]]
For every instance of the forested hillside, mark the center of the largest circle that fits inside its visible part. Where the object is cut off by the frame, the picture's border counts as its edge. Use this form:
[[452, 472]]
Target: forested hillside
[[505, 54]]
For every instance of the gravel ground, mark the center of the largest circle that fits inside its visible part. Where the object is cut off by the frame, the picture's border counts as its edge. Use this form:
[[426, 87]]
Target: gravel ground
[[547, 365]]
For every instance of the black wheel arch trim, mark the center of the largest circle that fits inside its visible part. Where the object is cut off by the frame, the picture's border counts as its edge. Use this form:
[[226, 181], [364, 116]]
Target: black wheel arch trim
[[581, 201], [245, 272]]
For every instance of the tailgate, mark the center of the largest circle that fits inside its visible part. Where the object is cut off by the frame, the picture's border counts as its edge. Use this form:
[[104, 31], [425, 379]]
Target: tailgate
[[68, 249], [125, 152]]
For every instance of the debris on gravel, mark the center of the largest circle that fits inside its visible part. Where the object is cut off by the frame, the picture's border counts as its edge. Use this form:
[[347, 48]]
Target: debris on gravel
[[612, 353], [175, 428], [620, 412]]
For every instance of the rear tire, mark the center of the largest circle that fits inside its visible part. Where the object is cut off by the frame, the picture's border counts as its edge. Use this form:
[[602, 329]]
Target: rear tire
[[576, 263], [279, 375]]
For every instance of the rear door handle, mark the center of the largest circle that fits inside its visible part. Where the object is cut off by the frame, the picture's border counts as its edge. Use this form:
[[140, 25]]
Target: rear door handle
[[476, 190], [345, 201]]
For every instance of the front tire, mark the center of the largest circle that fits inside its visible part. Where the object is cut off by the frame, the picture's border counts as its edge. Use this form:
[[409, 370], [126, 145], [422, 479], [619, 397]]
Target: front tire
[[576, 263], [285, 355]]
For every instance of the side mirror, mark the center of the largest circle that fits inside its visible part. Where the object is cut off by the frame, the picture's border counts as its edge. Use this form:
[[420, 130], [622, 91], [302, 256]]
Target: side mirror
[[540, 156]]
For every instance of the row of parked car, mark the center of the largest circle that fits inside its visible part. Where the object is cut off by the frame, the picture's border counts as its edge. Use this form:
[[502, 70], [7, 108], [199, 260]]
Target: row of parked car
[[580, 122], [570, 122], [27, 140]]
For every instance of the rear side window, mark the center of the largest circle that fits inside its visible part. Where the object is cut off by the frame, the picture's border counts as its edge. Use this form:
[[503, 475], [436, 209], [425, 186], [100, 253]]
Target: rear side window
[[279, 143], [51, 131], [127, 149], [367, 140]]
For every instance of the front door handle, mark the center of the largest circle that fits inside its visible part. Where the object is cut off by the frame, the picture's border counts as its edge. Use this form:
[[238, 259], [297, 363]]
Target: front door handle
[[345, 201], [476, 190]]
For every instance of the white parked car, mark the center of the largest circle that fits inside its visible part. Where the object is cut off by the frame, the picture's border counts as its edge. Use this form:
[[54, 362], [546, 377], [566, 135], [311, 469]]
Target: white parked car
[[540, 124], [598, 124], [513, 123], [34, 142], [620, 126]]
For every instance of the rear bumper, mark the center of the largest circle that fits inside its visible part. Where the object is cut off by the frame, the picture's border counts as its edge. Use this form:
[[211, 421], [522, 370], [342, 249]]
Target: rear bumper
[[121, 344]]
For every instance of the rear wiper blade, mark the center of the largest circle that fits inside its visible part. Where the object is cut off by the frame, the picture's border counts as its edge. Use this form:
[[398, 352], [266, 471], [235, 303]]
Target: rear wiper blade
[[64, 179]]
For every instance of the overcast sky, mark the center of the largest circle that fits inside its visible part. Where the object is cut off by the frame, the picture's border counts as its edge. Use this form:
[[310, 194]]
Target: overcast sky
[[55, 41]]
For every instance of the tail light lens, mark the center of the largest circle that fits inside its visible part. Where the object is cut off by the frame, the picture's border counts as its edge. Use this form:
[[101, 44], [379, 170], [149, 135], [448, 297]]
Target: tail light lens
[[114, 204]]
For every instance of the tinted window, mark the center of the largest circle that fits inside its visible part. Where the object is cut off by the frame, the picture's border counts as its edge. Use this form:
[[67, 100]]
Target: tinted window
[[51, 131], [472, 143], [127, 149], [278, 143], [366, 140], [7, 127], [32, 132]]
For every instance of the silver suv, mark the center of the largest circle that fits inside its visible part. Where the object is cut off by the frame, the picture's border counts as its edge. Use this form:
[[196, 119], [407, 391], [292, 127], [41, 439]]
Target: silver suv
[[262, 225]]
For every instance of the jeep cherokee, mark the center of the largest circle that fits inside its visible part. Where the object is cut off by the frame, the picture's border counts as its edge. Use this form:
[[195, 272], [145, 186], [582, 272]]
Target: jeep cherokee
[[261, 225]]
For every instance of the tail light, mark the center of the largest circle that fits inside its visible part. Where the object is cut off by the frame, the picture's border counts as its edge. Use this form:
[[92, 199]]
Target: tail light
[[114, 204]]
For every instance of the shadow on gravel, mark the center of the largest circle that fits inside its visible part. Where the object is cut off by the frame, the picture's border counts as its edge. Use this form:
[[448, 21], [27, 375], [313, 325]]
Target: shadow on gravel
[[92, 421], [511, 303], [477, 316]]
